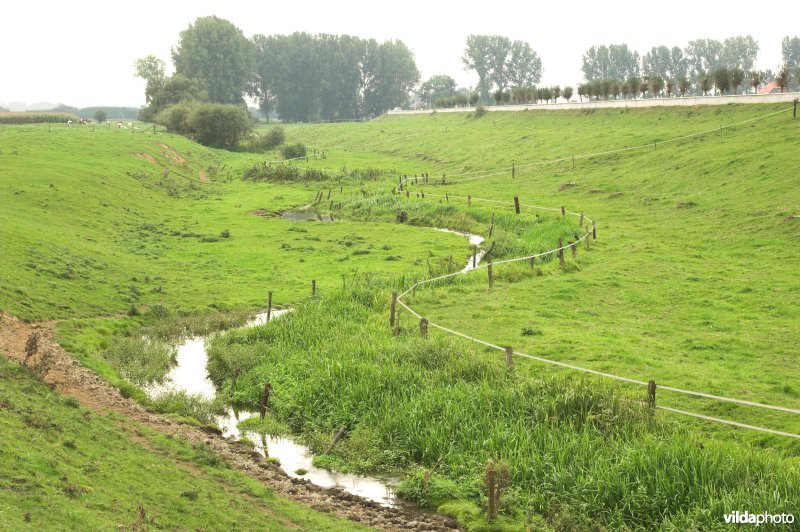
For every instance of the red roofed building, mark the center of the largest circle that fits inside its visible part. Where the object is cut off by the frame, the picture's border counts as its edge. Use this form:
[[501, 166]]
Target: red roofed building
[[770, 88]]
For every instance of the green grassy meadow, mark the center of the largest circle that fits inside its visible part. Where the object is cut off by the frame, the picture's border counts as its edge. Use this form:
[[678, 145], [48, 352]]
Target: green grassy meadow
[[692, 281]]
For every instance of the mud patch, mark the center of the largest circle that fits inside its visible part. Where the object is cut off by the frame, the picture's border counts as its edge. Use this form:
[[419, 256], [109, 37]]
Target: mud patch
[[172, 155], [567, 186], [595, 191], [204, 176]]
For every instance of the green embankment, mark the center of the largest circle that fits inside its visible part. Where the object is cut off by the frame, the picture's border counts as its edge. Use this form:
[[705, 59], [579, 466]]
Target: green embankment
[[64, 468], [692, 282]]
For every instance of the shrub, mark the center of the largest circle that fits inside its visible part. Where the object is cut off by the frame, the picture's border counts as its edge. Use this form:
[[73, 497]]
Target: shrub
[[273, 138], [176, 118], [219, 125], [294, 151], [480, 111]]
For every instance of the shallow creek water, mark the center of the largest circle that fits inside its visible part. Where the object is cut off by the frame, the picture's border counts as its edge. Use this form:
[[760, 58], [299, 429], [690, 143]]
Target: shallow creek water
[[190, 375]]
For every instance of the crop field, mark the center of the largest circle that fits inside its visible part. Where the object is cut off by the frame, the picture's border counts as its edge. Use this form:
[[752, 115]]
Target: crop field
[[692, 281]]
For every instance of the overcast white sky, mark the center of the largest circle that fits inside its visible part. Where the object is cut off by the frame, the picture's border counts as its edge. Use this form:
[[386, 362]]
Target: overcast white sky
[[81, 53]]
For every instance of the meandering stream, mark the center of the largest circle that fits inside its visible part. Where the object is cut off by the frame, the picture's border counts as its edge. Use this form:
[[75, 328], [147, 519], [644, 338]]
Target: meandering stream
[[190, 375]]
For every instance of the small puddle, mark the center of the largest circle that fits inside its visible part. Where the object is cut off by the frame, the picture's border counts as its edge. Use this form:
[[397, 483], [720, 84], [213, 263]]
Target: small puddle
[[304, 215]]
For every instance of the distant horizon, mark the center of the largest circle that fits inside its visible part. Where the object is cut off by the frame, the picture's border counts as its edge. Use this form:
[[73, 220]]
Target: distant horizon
[[93, 61]]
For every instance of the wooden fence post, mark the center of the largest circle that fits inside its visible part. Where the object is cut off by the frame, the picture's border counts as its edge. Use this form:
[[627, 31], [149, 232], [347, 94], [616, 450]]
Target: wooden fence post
[[651, 394], [490, 487], [236, 372], [581, 222], [313, 287], [563, 211], [586, 241], [397, 325], [423, 327], [594, 231], [474, 256], [269, 305], [533, 262], [449, 263], [265, 400], [336, 439], [513, 170], [516, 204], [574, 247], [447, 197], [469, 201], [329, 193], [491, 227], [561, 251], [509, 357], [392, 309], [443, 179], [489, 268]]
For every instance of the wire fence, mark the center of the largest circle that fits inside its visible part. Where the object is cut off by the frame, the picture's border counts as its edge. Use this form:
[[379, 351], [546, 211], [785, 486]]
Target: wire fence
[[573, 367]]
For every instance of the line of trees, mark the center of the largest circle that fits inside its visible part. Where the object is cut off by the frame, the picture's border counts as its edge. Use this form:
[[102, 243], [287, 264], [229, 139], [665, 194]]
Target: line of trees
[[301, 76]]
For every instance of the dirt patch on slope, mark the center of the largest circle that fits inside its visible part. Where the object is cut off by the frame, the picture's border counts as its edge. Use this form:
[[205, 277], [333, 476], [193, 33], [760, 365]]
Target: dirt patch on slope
[[147, 157], [56, 367], [172, 155], [203, 176]]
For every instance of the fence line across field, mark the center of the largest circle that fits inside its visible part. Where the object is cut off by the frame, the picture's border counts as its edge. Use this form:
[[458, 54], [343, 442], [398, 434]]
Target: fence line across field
[[579, 368]]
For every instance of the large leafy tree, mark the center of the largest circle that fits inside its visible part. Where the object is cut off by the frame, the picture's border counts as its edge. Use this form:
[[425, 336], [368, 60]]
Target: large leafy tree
[[667, 63], [501, 63], [309, 77], [790, 50], [175, 89], [218, 55], [151, 69], [739, 52], [615, 61], [703, 55]]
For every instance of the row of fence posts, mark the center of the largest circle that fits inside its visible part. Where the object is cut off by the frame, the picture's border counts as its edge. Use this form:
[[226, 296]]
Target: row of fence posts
[[394, 315]]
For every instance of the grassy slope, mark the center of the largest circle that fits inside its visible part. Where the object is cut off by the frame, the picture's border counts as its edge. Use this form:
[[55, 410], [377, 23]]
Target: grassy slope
[[61, 467], [693, 280], [91, 228]]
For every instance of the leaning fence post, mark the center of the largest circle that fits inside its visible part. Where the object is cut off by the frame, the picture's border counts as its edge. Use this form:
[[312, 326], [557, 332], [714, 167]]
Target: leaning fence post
[[509, 357], [393, 309], [269, 305], [336, 439], [651, 394], [516, 204], [265, 400], [423, 327]]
